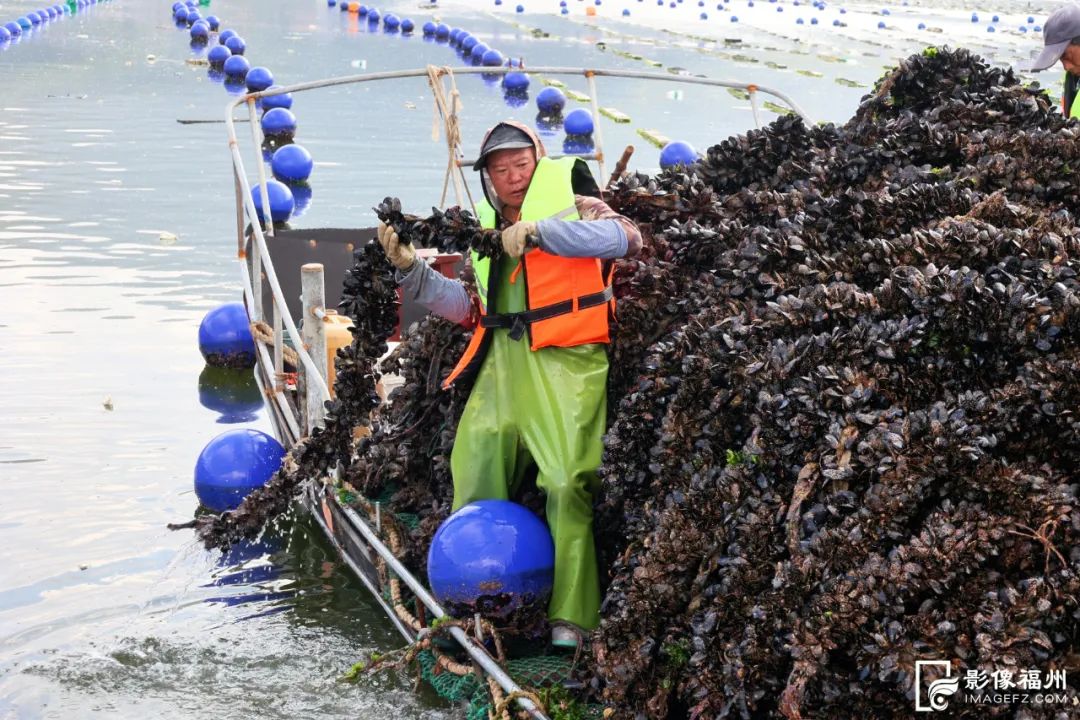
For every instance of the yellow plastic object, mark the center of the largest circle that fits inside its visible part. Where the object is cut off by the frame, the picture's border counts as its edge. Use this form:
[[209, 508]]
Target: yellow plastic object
[[337, 336]]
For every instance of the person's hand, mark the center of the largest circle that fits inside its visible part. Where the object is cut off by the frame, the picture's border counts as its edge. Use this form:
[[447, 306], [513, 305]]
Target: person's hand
[[400, 255], [515, 237]]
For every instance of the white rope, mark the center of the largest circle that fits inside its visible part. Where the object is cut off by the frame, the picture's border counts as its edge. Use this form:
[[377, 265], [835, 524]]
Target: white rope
[[447, 110]]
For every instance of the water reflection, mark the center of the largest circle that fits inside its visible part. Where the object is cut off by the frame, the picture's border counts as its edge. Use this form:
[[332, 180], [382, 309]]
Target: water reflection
[[234, 393]]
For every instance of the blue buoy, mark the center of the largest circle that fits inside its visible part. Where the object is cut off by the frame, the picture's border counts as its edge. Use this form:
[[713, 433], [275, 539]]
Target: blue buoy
[[283, 100], [292, 163], [278, 122], [236, 67], [843, 11], [492, 58], [515, 81], [1023, 28], [225, 337], [233, 392], [5, 35], [799, 21], [990, 28], [1037, 28], [200, 31], [551, 101], [24, 23], [373, 16], [177, 5], [626, 12], [14, 28], [922, 26], [180, 13], [677, 153], [995, 19], [813, 21], [232, 465], [454, 36], [224, 35], [236, 44], [391, 22], [193, 17], [578, 122], [218, 55], [51, 12], [331, 3], [468, 42], [429, 28], [704, 16], [734, 18], [362, 11], [520, 9], [974, 18], [564, 11], [494, 557], [477, 53], [258, 78], [344, 7], [885, 11], [881, 25], [442, 31], [1031, 20], [213, 22], [282, 202], [407, 26]]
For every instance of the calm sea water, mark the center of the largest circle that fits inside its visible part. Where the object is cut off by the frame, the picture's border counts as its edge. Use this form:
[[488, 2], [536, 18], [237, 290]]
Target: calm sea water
[[116, 236]]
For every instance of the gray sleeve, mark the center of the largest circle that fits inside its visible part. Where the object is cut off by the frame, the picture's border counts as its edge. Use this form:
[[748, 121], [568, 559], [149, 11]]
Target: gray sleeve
[[441, 295], [604, 239]]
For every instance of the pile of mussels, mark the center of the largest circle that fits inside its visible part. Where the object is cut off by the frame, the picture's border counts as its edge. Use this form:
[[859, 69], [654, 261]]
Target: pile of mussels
[[843, 430]]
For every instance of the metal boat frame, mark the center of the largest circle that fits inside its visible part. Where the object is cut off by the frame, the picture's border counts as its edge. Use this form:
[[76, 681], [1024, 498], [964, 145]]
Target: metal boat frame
[[296, 406]]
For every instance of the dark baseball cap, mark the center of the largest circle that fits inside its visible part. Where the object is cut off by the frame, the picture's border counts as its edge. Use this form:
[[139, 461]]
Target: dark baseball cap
[[502, 137], [1061, 28]]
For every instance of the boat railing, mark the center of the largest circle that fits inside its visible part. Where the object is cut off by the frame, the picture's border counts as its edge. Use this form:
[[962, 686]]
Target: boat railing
[[257, 264]]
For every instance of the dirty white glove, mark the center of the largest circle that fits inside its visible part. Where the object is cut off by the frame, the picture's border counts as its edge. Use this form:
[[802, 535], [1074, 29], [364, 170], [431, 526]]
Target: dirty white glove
[[399, 254], [515, 237]]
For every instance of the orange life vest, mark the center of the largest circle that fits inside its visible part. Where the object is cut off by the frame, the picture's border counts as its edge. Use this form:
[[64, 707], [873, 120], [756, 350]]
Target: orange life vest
[[568, 300]]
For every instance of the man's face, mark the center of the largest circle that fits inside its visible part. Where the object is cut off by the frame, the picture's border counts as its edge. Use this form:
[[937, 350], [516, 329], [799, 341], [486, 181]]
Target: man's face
[[1071, 59], [511, 172]]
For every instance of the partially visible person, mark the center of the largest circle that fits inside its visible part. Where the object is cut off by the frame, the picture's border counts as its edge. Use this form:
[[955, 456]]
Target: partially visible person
[[1061, 39]]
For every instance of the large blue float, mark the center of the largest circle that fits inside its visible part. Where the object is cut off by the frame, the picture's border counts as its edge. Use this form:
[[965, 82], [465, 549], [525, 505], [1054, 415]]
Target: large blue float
[[233, 464], [493, 557], [225, 337]]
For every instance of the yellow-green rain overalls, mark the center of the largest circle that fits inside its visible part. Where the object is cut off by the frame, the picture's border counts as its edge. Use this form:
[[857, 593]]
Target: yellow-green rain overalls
[[548, 406], [1074, 111]]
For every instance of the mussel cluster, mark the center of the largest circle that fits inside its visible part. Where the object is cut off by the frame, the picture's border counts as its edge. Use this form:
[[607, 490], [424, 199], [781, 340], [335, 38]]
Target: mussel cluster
[[843, 430]]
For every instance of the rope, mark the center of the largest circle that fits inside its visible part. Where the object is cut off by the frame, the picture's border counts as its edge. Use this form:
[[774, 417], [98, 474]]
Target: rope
[[264, 334], [448, 110], [502, 704]]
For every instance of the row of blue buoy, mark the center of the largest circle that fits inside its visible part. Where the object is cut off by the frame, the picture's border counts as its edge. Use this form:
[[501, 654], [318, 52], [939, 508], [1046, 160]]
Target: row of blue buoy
[[290, 164], [391, 23], [236, 462], [14, 29]]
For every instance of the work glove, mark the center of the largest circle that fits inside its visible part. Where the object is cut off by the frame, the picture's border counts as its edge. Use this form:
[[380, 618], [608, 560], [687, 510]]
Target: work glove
[[401, 255], [516, 237]]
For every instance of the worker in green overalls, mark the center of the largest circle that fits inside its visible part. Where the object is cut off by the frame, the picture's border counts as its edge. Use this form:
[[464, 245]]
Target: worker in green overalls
[[1061, 38], [540, 319]]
